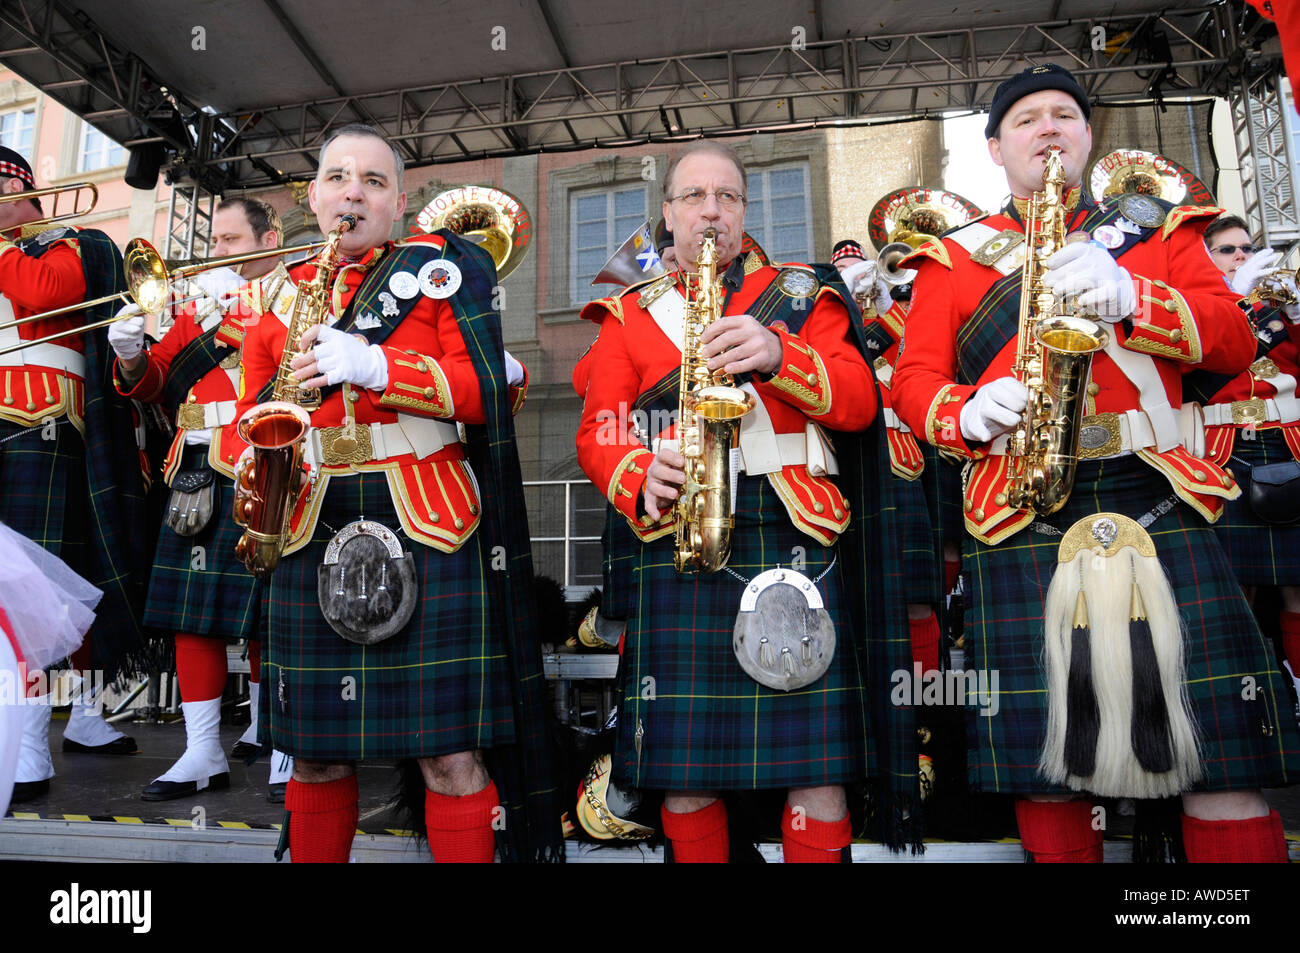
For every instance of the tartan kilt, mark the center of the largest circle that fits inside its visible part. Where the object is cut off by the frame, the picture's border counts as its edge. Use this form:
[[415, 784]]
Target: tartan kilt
[[621, 550], [221, 600], [438, 686], [1246, 743], [43, 488], [917, 544], [707, 725], [1262, 554]]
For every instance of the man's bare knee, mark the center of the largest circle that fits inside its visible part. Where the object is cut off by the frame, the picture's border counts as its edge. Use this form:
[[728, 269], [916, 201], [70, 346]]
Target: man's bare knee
[[456, 774], [318, 772]]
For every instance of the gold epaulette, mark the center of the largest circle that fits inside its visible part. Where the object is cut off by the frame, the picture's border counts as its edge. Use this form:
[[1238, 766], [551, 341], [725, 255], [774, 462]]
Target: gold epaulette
[[1181, 213], [933, 248]]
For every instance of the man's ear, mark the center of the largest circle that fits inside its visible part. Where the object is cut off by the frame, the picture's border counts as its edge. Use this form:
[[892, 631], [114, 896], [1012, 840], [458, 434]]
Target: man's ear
[[995, 151]]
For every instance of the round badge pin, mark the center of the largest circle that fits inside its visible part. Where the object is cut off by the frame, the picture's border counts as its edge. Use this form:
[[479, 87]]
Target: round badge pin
[[1108, 236], [404, 284], [439, 278]]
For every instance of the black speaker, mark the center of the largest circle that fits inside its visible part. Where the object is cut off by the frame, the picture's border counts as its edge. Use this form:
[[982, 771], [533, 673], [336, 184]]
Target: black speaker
[[143, 163]]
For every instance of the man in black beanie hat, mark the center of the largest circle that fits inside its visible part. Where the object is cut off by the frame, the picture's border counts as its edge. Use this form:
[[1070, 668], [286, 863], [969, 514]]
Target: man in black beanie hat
[[1131, 700]]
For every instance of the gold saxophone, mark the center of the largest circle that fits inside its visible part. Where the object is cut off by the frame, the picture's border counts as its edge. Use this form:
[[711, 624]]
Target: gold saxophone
[[709, 409], [1053, 359], [267, 489]]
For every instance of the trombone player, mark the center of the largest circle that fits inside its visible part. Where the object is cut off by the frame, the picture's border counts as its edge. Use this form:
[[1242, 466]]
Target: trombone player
[[205, 601], [53, 408]]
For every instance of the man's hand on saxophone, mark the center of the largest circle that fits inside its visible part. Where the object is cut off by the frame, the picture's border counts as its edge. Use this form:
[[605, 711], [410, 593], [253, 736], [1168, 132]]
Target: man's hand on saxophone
[[748, 346], [335, 357], [993, 410], [663, 480], [1087, 273]]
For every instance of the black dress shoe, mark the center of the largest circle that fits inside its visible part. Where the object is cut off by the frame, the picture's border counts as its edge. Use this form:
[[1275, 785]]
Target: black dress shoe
[[29, 791], [124, 745], [275, 792], [245, 750], [170, 790]]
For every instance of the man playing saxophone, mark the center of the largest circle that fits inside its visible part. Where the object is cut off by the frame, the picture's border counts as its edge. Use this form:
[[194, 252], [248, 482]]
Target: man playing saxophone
[[1138, 511], [692, 722], [397, 613]]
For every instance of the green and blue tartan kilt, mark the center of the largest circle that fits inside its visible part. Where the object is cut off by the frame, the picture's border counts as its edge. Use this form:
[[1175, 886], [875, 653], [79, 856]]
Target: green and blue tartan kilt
[[43, 492], [1246, 742], [1262, 554], [437, 687], [221, 600], [707, 725], [917, 544]]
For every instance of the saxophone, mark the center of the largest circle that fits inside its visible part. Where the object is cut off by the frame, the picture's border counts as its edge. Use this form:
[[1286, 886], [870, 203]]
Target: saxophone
[[1053, 359], [709, 412], [266, 488]]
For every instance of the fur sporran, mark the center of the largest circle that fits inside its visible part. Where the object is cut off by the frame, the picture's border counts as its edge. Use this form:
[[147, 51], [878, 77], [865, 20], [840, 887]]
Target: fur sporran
[[189, 507], [366, 585], [783, 637]]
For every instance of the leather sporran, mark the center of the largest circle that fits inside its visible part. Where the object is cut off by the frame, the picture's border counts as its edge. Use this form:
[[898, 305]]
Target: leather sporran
[[366, 585], [190, 505], [1275, 492], [784, 638]]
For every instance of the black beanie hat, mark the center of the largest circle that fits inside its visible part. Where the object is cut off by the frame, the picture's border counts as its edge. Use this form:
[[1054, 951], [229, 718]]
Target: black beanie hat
[[1033, 80]]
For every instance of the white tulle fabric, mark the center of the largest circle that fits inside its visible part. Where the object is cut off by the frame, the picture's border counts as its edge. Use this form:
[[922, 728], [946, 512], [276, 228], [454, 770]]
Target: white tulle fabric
[[49, 606]]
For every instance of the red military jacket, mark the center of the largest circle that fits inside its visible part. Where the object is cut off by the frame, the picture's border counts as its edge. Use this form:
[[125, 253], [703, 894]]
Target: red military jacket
[[1263, 397], [1186, 317], [823, 379], [905, 458], [431, 385], [209, 407], [45, 380]]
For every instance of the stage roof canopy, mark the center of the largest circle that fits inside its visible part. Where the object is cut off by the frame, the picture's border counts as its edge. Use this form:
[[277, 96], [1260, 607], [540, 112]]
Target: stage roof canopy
[[239, 92]]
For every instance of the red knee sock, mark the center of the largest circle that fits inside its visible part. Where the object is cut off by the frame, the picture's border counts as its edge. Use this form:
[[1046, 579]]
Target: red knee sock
[[460, 828], [200, 667], [805, 840], [255, 661], [1059, 832], [699, 837], [1254, 840], [322, 820], [1291, 640], [925, 641]]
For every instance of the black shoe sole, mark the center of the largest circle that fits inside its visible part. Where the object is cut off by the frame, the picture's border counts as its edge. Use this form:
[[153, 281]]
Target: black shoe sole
[[124, 745], [171, 790], [29, 791], [244, 750]]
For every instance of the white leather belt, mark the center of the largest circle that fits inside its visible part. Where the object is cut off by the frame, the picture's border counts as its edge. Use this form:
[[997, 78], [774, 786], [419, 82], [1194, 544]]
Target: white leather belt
[[218, 413], [50, 356], [411, 435], [1280, 410], [1104, 435]]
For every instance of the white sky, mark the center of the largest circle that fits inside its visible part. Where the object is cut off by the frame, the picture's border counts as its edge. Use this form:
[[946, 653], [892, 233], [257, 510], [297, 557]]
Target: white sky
[[970, 172]]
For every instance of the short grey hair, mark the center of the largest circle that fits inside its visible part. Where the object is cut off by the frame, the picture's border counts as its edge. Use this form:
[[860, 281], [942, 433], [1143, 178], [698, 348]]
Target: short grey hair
[[705, 145], [361, 129]]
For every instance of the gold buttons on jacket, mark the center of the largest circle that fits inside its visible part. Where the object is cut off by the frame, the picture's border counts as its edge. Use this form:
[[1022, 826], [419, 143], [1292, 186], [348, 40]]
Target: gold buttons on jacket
[[430, 393]]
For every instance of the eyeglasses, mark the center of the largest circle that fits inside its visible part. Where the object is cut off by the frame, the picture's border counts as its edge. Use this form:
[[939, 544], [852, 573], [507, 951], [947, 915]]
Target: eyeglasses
[[693, 198], [1233, 249]]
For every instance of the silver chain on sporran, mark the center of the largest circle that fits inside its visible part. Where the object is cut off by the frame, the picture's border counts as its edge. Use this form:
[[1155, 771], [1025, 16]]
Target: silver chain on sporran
[[784, 637], [366, 584]]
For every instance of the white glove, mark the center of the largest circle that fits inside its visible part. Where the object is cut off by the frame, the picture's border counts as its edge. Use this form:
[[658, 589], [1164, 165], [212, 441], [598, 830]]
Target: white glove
[[1089, 274], [218, 281], [863, 278], [1249, 271], [343, 357], [993, 410], [127, 335], [514, 371]]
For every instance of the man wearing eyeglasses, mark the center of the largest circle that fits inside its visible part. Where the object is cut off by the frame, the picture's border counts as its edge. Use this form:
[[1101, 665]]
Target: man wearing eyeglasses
[[1252, 420], [692, 723]]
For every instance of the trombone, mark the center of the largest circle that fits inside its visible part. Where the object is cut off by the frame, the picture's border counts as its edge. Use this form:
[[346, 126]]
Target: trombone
[[149, 285], [76, 188]]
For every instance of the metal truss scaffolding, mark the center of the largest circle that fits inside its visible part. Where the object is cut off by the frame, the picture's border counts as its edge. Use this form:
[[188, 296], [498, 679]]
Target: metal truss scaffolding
[[797, 85], [189, 222], [1262, 124]]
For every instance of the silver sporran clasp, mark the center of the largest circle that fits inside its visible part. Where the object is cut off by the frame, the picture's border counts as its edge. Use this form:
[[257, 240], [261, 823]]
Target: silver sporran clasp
[[366, 585], [784, 637]]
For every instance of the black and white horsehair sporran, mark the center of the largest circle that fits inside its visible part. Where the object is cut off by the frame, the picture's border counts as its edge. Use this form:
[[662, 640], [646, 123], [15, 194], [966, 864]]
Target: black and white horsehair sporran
[[366, 584], [1119, 722]]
